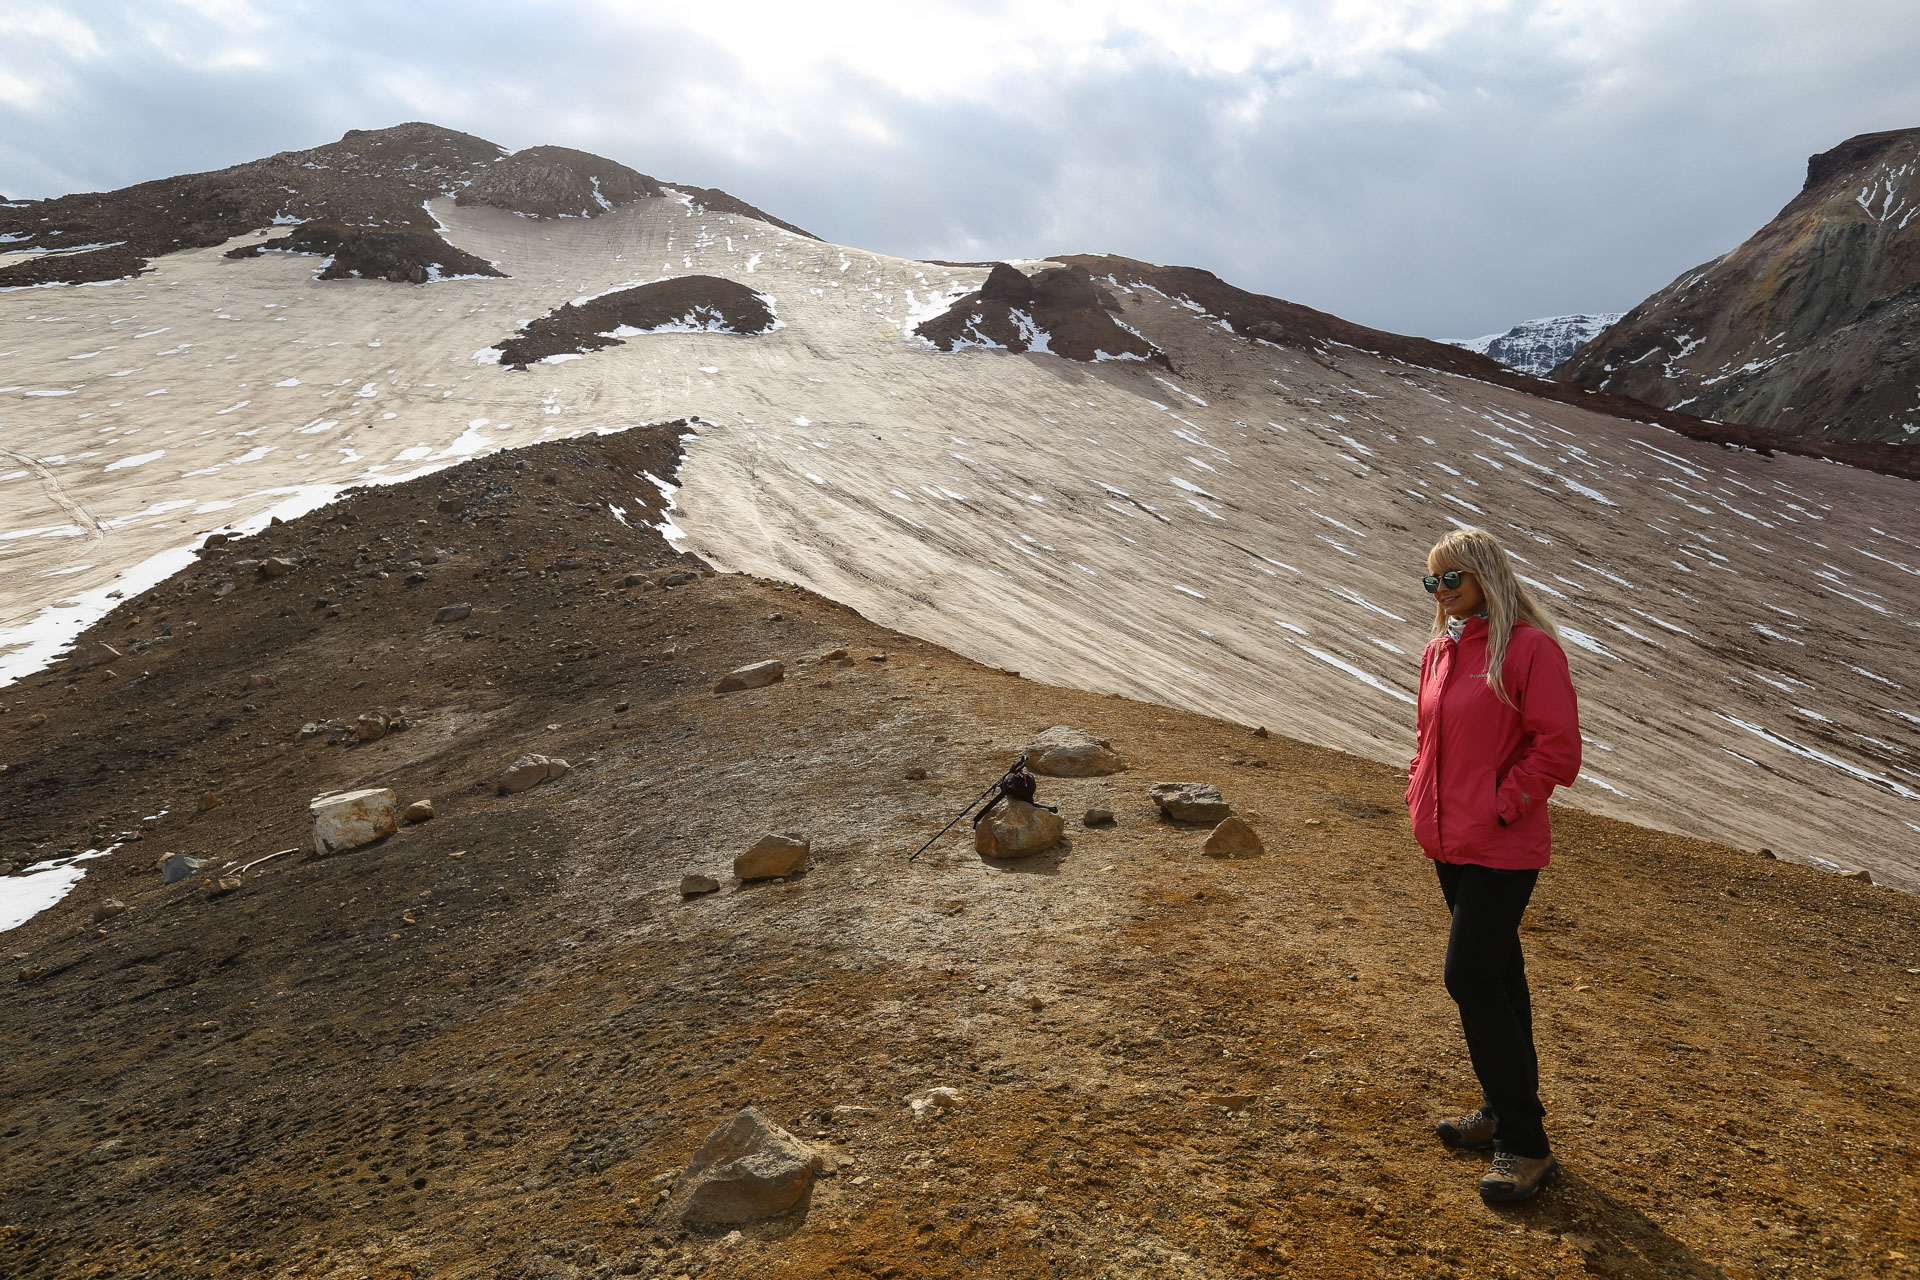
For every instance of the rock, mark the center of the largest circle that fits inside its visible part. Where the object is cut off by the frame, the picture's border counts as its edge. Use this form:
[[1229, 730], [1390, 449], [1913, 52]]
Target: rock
[[349, 819], [97, 654], [916, 774], [748, 1169], [108, 909], [773, 855], [692, 886], [1017, 829], [215, 540], [530, 771], [756, 676], [876, 657], [175, 867], [415, 578], [259, 680], [678, 577], [619, 707], [309, 730], [1061, 752], [1260, 731], [371, 726], [223, 886], [37, 719], [1768, 854], [1232, 1101], [1098, 816], [432, 555], [833, 656], [208, 800], [452, 612], [274, 567], [1191, 801], [567, 564], [929, 1103], [1863, 876], [452, 504], [1234, 839], [642, 580], [418, 811]]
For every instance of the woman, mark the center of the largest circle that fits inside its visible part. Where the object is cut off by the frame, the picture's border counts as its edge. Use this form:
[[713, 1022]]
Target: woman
[[1498, 731]]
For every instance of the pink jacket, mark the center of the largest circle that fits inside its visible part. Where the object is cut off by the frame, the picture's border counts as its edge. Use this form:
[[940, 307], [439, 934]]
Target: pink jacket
[[1483, 770]]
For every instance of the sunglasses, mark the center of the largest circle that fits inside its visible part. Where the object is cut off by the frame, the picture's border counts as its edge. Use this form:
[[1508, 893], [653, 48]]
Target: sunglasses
[[1450, 579]]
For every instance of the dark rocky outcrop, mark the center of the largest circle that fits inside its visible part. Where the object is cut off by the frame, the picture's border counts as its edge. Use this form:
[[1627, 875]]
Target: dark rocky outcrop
[[375, 254], [557, 182], [720, 202], [696, 302], [1058, 310], [1263, 319], [1811, 327], [375, 179]]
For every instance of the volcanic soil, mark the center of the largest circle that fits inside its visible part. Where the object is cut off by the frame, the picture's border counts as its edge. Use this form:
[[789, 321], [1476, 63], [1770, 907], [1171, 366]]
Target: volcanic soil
[[485, 1046]]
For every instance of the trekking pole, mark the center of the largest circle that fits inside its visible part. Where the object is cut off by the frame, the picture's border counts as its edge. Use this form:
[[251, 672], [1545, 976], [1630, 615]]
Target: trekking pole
[[995, 786]]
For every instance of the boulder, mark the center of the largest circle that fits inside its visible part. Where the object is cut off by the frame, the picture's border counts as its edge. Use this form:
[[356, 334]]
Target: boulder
[[274, 567], [530, 771], [1062, 752], [1191, 801], [175, 867], [349, 819], [223, 886], [418, 811], [756, 676], [1234, 839], [215, 540], [678, 577], [748, 1169], [372, 725], [1098, 816], [452, 612], [1017, 829], [773, 855], [692, 886], [97, 654]]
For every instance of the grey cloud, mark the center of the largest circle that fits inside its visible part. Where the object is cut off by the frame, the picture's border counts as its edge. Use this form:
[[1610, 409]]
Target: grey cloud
[[1492, 177]]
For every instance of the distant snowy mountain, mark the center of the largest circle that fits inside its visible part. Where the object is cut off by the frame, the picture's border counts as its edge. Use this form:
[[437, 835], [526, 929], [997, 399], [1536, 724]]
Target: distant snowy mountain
[[1539, 346]]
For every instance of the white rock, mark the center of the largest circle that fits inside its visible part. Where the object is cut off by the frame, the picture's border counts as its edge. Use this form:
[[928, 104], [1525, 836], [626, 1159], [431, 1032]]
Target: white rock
[[530, 771], [934, 1102], [755, 676], [349, 819]]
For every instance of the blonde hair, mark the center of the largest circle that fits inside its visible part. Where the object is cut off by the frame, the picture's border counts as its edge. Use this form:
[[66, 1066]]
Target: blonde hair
[[1507, 599]]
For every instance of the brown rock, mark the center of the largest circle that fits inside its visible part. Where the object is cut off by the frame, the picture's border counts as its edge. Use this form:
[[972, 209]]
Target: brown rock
[[756, 676], [1191, 801], [259, 680], [372, 725], [1098, 816], [1017, 829], [748, 1169], [215, 540], [97, 654], [692, 886], [773, 855], [1061, 752], [37, 719], [108, 909], [452, 612], [274, 567], [418, 811], [209, 801], [530, 771], [223, 886], [1234, 839]]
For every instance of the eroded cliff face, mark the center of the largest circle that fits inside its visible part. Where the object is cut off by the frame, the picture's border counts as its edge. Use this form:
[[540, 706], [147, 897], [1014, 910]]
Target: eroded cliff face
[[1808, 327]]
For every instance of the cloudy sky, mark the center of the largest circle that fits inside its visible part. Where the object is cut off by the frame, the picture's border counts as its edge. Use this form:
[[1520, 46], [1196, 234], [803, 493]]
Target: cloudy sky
[[1440, 167]]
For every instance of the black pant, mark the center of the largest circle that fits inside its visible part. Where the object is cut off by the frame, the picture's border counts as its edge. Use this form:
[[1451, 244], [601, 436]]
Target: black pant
[[1488, 980]]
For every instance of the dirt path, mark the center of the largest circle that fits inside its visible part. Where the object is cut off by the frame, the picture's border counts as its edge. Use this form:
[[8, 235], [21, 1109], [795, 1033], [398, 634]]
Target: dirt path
[[476, 1049]]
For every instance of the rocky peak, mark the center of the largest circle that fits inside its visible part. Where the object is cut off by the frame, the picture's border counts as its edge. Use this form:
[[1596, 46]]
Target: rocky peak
[[557, 182], [1809, 327], [1539, 346]]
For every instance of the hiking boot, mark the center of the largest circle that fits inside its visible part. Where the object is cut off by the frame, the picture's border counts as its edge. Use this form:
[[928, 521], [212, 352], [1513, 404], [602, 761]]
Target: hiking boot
[[1515, 1177], [1470, 1132]]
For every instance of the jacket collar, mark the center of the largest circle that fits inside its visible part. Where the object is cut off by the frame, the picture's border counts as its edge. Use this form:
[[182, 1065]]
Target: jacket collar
[[1474, 627]]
